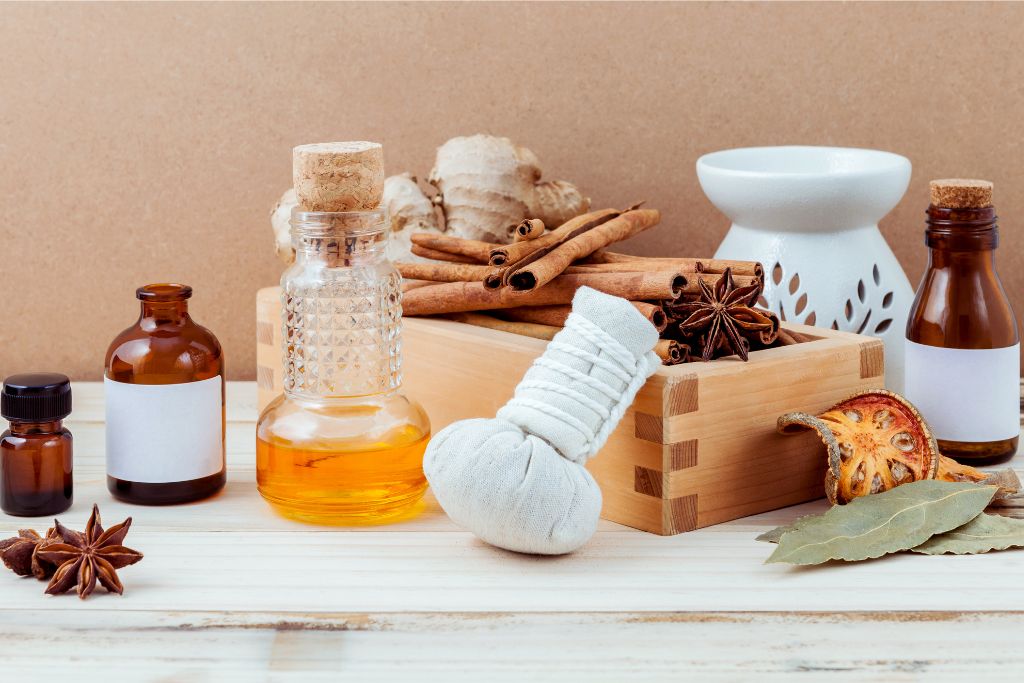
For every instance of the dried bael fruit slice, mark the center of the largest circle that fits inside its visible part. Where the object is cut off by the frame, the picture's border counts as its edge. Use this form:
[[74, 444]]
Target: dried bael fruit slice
[[1006, 480], [877, 440]]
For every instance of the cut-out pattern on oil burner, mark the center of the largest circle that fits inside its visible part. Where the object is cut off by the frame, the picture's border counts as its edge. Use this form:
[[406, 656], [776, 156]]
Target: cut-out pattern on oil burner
[[866, 311]]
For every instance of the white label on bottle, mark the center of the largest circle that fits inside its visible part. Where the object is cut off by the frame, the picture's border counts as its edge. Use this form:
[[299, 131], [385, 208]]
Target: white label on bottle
[[970, 395], [162, 433]]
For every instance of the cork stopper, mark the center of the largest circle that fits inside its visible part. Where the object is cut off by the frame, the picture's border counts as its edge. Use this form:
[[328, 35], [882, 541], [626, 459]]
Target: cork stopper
[[338, 176], [960, 193]]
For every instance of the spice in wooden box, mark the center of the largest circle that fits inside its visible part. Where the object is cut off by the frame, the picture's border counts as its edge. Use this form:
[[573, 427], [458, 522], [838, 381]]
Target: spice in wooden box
[[164, 386], [36, 451], [963, 350]]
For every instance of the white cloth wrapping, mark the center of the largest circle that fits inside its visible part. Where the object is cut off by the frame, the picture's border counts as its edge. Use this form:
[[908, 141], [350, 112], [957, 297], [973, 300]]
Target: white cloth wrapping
[[517, 481]]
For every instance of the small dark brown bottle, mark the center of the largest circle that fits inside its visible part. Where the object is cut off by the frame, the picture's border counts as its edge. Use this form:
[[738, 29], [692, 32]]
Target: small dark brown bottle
[[963, 350], [36, 451], [164, 385]]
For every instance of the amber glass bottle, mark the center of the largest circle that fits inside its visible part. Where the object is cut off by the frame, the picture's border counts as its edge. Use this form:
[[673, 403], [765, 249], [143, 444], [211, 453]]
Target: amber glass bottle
[[963, 350], [164, 384], [35, 452]]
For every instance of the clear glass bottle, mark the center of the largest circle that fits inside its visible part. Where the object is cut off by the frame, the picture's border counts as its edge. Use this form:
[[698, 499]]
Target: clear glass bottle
[[35, 452], [164, 391], [342, 445], [963, 349]]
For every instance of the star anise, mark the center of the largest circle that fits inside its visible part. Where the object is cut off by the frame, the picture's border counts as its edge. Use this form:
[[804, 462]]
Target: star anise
[[723, 316], [21, 553], [87, 557]]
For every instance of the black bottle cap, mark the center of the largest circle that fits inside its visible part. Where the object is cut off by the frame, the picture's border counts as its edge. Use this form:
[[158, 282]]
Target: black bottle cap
[[36, 396]]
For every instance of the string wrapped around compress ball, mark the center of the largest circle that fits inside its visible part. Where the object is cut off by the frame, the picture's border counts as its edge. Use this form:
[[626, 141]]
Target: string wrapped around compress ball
[[517, 480]]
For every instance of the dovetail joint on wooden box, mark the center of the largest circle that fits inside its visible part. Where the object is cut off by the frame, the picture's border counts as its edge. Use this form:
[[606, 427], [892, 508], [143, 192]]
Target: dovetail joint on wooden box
[[678, 514], [680, 395]]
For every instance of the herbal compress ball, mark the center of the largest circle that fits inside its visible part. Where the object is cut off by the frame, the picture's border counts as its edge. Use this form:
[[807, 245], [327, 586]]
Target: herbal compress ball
[[517, 481]]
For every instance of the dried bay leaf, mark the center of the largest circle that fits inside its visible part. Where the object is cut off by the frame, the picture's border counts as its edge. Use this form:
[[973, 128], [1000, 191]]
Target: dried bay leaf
[[980, 535], [773, 535], [871, 526]]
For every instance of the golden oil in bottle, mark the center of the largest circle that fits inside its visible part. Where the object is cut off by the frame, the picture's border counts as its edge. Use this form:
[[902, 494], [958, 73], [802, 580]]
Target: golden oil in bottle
[[367, 478]]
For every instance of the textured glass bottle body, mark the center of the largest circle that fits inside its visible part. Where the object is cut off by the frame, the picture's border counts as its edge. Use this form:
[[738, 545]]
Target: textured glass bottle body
[[963, 368], [164, 386], [342, 445]]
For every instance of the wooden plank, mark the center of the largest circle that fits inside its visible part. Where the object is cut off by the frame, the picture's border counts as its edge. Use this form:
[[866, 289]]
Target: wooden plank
[[238, 507], [293, 568], [454, 647]]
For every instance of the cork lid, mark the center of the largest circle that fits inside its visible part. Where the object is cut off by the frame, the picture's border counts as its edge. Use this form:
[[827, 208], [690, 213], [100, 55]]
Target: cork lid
[[338, 176], [961, 193]]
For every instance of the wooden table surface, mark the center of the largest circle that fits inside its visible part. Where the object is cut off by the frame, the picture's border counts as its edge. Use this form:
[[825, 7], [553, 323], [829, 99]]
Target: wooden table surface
[[230, 591]]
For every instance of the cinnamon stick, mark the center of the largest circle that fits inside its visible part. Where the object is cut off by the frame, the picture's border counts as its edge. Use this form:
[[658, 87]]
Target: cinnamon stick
[[623, 267], [443, 272], [655, 314], [697, 265], [529, 229], [768, 337], [497, 278], [557, 314], [526, 329], [450, 297], [464, 272], [441, 255], [672, 352], [474, 249], [788, 337], [711, 279], [409, 285], [509, 253], [542, 266]]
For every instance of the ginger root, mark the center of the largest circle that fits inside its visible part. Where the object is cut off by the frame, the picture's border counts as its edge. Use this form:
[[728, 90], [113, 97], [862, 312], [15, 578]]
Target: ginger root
[[280, 217], [409, 208], [485, 186], [410, 211]]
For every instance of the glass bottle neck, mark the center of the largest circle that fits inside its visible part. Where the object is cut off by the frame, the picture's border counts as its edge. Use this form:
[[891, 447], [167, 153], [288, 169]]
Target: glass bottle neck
[[339, 239], [961, 230], [981, 259], [341, 251], [25, 427], [163, 313]]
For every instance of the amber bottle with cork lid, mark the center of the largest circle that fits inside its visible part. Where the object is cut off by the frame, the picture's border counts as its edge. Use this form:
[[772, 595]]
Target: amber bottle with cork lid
[[963, 348], [36, 451], [164, 387]]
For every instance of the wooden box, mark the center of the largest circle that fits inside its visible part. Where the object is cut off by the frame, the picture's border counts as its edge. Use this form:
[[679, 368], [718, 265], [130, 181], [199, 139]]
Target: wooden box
[[698, 446]]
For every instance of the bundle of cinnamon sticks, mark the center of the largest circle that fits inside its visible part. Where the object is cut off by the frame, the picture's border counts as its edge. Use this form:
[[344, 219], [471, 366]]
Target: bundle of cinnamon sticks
[[527, 287]]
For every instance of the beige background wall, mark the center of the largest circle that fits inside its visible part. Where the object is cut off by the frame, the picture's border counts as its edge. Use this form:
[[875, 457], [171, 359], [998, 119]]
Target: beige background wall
[[148, 142]]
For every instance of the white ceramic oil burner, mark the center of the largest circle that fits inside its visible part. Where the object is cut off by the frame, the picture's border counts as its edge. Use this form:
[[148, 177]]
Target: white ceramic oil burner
[[810, 215]]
